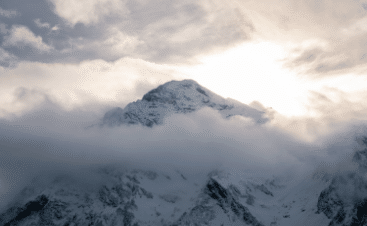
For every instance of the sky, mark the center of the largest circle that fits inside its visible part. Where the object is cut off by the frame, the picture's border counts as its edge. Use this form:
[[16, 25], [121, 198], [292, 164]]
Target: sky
[[64, 63], [280, 54]]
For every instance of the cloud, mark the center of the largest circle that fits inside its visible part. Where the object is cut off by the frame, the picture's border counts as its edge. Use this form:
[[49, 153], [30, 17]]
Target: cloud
[[40, 24], [313, 19], [21, 36], [350, 57], [192, 28], [88, 12], [337, 26], [339, 105], [8, 13], [160, 32], [114, 45], [55, 28], [178, 31], [3, 28], [328, 109], [72, 85], [7, 59], [49, 140]]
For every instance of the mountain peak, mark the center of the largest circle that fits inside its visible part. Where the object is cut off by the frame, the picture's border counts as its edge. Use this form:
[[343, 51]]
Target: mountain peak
[[173, 89], [176, 97]]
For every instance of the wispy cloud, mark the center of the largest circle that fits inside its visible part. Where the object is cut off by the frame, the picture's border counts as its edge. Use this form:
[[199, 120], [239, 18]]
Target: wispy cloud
[[3, 28], [21, 36], [88, 12], [8, 13], [7, 59], [40, 24], [339, 27]]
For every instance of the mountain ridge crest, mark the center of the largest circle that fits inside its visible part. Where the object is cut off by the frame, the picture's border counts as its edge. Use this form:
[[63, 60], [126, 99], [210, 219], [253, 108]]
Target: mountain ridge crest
[[176, 97]]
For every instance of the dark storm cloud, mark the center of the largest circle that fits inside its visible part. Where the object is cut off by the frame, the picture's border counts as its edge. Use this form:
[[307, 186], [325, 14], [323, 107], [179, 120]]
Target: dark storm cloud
[[159, 31]]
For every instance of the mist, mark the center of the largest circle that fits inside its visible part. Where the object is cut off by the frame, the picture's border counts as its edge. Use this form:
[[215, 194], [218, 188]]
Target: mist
[[50, 141]]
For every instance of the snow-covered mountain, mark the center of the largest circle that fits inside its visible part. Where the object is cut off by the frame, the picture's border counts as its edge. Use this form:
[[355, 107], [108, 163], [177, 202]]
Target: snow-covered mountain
[[177, 97], [140, 197], [137, 197]]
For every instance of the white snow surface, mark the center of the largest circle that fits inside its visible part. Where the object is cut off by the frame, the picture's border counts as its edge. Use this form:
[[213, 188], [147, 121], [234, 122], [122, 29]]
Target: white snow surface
[[177, 97], [278, 200], [174, 195]]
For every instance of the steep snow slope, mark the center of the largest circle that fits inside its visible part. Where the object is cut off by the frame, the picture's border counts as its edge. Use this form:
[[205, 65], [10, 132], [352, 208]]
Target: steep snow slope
[[177, 97]]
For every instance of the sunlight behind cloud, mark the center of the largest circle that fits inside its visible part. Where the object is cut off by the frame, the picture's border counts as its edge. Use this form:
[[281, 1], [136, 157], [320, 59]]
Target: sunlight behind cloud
[[255, 72], [251, 72]]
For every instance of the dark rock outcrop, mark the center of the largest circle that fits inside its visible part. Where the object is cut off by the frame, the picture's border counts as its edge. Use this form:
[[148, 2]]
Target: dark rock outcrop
[[227, 202], [30, 208]]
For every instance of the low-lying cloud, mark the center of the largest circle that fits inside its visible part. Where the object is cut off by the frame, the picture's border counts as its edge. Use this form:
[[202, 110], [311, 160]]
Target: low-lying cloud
[[49, 141], [89, 83]]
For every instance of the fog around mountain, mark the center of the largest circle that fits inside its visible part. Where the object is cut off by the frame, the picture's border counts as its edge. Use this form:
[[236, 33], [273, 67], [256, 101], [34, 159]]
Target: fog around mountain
[[49, 141]]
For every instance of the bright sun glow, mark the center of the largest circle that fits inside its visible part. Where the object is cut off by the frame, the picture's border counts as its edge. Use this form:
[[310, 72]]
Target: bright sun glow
[[252, 72]]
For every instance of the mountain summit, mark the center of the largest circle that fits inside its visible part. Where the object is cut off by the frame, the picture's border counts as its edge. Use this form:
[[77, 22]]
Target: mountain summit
[[177, 97]]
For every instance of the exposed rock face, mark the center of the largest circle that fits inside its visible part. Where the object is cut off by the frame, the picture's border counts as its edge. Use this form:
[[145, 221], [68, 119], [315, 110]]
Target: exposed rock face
[[66, 205], [176, 97], [30, 209], [228, 202]]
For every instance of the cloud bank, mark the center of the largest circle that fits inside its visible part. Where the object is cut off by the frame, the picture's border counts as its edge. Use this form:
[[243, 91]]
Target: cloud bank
[[50, 141], [91, 82], [323, 38], [161, 32]]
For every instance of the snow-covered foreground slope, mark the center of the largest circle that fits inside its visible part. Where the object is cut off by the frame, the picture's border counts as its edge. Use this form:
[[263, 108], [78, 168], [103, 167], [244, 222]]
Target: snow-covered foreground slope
[[141, 197], [128, 197], [137, 197], [177, 97]]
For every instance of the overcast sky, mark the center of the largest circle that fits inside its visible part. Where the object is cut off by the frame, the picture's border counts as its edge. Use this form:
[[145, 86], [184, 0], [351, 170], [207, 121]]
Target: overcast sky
[[280, 53], [63, 63]]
